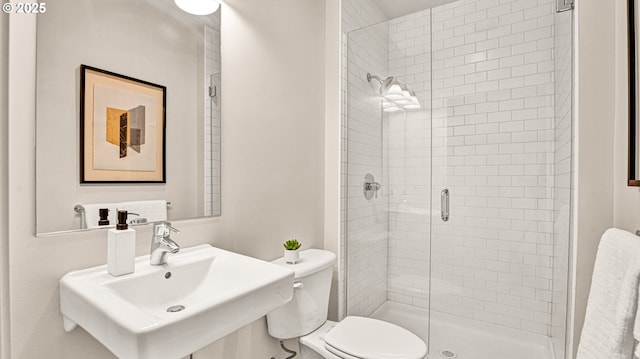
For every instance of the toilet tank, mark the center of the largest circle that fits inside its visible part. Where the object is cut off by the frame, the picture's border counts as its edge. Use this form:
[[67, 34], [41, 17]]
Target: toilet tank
[[308, 308]]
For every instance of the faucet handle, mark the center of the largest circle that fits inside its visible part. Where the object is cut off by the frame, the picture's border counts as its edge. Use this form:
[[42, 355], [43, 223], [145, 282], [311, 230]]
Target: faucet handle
[[164, 229]]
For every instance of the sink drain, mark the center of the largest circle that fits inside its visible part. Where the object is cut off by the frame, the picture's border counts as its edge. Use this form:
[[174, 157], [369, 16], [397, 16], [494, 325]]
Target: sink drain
[[448, 354], [175, 308]]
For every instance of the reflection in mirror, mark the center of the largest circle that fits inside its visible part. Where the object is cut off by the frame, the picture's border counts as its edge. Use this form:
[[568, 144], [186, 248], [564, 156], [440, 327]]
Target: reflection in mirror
[[149, 40]]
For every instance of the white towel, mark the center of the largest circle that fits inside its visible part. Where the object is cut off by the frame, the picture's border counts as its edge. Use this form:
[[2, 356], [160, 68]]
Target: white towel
[[92, 214], [613, 299], [153, 211]]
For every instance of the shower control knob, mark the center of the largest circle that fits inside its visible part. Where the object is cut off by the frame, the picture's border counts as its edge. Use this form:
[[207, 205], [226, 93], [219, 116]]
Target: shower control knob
[[373, 186], [370, 187]]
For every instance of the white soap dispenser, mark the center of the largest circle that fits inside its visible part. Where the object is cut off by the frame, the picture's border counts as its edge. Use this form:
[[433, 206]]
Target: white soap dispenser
[[121, 247]]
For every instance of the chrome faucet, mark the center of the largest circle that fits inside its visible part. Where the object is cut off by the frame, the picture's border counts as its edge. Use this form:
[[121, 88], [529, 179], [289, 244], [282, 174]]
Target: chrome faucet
[[161, 243]]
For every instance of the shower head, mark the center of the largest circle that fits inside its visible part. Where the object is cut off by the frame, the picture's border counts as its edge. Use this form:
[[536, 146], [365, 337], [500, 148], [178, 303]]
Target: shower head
[[390, 88], [385, 84]]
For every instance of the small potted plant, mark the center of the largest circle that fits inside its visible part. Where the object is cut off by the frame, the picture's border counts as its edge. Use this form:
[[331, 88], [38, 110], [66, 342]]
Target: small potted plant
[[291, 254]]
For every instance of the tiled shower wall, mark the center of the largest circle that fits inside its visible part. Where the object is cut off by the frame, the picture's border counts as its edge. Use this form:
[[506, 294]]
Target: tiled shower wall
[[562, 178], [493, 147], [407, 138], [212, 123], [368, 271]]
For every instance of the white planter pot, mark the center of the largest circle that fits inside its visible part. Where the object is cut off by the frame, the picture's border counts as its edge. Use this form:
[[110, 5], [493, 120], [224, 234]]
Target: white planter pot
[[291, 256]]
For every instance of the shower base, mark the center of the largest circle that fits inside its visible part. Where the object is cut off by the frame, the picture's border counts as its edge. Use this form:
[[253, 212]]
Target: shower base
[[461, 338]]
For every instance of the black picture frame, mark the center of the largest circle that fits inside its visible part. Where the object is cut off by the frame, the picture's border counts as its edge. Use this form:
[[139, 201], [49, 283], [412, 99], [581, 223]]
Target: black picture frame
[[122, 128], [633, 178]]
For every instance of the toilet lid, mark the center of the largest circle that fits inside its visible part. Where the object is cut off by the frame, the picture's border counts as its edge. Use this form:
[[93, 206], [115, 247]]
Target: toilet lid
[[368, 338]]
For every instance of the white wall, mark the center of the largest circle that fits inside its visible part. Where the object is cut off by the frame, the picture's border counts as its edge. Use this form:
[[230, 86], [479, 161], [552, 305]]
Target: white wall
[[595, 110], [273, 123], [272, 176], [332, 147], [153, 48]]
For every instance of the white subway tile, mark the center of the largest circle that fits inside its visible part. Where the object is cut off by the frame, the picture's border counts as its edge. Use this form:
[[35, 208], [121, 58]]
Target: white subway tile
[[487, 24]]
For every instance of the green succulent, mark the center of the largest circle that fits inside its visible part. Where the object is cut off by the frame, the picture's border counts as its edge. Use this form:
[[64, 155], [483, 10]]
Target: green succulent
[[292, 245]]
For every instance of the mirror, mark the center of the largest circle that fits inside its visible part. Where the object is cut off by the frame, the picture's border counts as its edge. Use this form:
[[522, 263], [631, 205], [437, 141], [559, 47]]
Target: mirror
[[152, 41], [634, 93]]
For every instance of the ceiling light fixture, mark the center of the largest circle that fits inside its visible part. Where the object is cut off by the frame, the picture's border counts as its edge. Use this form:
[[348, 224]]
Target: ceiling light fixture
[[198, 7]]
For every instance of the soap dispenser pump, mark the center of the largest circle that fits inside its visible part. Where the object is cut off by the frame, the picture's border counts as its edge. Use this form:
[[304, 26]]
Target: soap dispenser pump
[[104, 217], [121, 247]]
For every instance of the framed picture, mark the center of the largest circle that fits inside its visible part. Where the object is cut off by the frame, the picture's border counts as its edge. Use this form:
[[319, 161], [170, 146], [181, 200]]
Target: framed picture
[[122, 128], [633, 178]]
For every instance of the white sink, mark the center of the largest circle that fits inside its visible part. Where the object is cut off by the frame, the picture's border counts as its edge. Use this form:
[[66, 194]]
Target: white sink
[[220, 291]]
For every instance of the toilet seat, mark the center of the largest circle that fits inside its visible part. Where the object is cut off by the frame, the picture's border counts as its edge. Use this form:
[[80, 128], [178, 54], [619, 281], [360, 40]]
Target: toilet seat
[[367, 338]]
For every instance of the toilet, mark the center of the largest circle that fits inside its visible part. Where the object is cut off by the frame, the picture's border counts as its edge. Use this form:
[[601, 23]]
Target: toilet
[[305, 317]]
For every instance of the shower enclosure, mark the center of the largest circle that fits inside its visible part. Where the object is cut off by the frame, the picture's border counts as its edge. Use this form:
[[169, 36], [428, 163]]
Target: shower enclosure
[[456, 192]]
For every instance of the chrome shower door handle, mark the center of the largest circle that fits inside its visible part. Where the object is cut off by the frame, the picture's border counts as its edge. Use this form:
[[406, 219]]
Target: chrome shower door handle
[[444, 205]]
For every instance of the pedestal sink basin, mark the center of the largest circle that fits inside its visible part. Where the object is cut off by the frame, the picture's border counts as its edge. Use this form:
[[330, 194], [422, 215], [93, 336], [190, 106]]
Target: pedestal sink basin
[[167, 312]]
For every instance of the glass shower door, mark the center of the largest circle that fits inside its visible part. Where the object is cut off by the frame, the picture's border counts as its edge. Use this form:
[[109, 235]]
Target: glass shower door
[[495, 145]]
